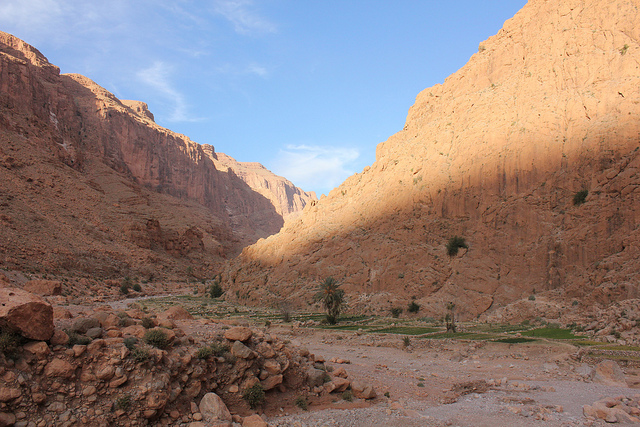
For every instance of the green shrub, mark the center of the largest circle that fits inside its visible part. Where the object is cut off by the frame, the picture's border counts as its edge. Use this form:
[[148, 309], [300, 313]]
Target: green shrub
[[140, 354], [302, 403], [532, 297], [254, 395], [396, 312], [387, 394], [413, 307], [454, 244], [348, 396], [406, 341], [420, 384], [157, 338], [136, 287], [204, 353], [148, 322], [9, 342], [123, 402], [580, 197], [216, 290], [219, 349], [124, 289], [75, 338], [130, 342]]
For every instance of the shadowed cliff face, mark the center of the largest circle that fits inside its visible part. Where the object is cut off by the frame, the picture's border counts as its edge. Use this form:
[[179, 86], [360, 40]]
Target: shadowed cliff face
[[546, 108], [91, 184]]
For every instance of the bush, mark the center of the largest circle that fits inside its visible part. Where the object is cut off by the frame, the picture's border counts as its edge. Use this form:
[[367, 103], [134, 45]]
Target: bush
[[124, 289], [140, 354], [413, 307], [532, 297], [580, 197], [454, 244], [204, 353], [406, 341], [130, 342], [136, 287], [9, 342], [216, 290], [123, 402], [348, 396], [332, 297], [254, 395], [157, 338], [148, 323], [219, 349], [302, 403], [75, 338], [396, 312]]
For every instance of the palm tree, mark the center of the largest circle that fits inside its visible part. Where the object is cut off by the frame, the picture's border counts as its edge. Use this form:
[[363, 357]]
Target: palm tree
[[332, 297]]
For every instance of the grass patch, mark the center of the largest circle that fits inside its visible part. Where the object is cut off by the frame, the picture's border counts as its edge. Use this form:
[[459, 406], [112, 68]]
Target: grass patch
[[515, 340], [405, 330], [551, 333], [461, 336]]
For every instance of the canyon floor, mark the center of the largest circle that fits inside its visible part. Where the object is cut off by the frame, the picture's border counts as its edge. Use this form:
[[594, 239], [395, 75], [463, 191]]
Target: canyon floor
[[429, 382]]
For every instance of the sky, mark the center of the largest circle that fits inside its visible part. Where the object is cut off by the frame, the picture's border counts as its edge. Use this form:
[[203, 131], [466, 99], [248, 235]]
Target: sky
[[308, 88]]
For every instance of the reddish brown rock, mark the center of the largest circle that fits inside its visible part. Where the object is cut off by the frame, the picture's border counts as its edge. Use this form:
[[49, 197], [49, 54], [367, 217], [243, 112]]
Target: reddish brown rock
[[59, 368], [175, 313], [26, 313], [214, 410], [238, 333], [40, 349], [254, 420], [44, 287], [272, 382]]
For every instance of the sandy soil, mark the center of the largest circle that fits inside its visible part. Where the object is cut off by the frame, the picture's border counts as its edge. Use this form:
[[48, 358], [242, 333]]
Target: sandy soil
[[535, 383]]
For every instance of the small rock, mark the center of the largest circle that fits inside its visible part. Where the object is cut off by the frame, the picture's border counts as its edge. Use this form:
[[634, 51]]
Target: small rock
[[238, 333], [254, 420]]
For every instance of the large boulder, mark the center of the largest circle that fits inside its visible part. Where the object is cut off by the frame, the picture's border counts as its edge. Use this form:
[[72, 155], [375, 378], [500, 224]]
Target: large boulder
[[238, 333], [609, 373], [214, 410], [25, 313], [44, 287], [175, 313]]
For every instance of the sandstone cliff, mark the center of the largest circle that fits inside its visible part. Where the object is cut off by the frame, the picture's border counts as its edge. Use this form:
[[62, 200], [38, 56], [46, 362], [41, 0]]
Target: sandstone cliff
[[548, 107], [90, 184]]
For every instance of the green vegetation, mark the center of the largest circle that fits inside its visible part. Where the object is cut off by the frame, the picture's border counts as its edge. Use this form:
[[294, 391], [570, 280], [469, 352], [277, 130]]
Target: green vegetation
[[332, 297], [450, 317], [140, 354], [515, 340], [302, 403], [219, 349], [9, 342], [624, 49], [147, 322], [123, 403], [130, 342], [580, 197], [405, 330], [204, 352], [532, 297], [77, 339], [406, 341], [396, 312], [454, 244], [136, 287], [254, 395], [216, 290], [348, 396], [413, 307], [156, 338], [552, 333]]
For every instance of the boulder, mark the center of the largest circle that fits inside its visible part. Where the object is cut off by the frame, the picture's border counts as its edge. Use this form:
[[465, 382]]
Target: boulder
[[83, 324], [242, 351], [238, 333], [214, 410], [59, 368], [43, 287], [254, 420], [337, 384], [7, 419], [315, 377], [362, 390], [272, 382], [26, 313], [175, 313], [609, 373]]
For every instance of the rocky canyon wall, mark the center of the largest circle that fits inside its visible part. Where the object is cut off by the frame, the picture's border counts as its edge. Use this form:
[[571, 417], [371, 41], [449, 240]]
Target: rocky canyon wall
[[92, 184], [548, 107]]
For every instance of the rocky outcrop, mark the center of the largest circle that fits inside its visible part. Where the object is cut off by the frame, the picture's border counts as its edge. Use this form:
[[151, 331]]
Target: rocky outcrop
[[25, 313], [528, 152], [90, 184], [288, 199]]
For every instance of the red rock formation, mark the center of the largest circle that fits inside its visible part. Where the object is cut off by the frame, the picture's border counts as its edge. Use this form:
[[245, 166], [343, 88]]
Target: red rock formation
[[89, 183], [25, 313], [548, 107]]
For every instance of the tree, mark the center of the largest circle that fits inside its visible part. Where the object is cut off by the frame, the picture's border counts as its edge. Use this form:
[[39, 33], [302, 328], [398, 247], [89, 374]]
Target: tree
[[332, 297], [450, 317]]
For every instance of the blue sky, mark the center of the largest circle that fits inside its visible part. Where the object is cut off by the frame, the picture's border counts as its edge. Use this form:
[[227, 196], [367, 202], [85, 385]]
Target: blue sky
[[308, 88]]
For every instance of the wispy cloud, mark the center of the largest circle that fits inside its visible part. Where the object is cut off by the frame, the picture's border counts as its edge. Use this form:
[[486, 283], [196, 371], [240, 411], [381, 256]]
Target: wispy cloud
[[244, 18], [314, 167], [158, 78]]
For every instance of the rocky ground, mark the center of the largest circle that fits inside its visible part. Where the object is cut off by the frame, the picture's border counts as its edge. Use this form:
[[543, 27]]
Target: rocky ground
[[119, 362]]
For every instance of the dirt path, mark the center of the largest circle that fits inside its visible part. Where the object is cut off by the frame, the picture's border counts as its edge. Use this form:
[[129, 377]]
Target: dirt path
[[533, 384]]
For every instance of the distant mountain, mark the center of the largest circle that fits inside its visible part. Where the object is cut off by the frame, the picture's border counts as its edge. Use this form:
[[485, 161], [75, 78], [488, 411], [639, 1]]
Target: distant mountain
[[529, 153], [91, 185]]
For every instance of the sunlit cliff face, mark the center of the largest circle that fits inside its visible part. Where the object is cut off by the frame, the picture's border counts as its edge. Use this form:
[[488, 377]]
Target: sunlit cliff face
[[546, 108]]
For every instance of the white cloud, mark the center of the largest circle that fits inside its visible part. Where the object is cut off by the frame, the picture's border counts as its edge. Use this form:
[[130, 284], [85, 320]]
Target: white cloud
[[258, 70], [315, 168], [158, 77], [244, 19]]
